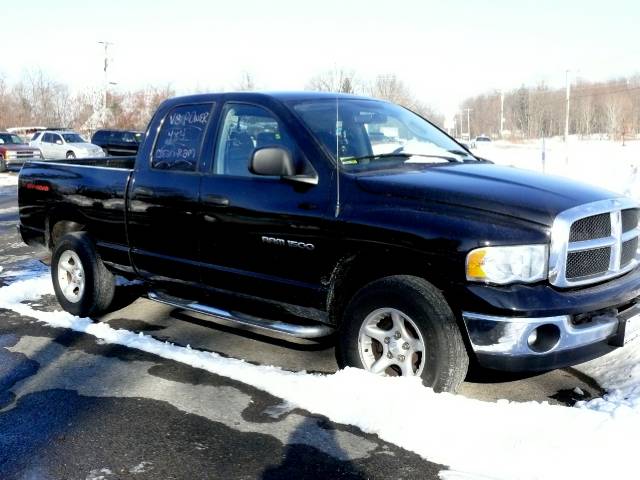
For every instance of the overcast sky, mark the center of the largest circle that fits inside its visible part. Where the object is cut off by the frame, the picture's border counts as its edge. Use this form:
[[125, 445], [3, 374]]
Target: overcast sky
[[444, 50]]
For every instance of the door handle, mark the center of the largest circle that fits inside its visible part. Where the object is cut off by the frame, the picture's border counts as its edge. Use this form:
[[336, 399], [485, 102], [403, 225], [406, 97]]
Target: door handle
[[216, 200]]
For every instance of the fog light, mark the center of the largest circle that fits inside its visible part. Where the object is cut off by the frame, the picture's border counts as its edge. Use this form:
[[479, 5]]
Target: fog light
[[544, 338]]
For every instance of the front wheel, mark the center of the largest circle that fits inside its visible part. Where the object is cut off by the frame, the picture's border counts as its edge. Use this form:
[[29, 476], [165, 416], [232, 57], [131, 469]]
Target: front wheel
[[82, 283], [403, 326], [71, 155]]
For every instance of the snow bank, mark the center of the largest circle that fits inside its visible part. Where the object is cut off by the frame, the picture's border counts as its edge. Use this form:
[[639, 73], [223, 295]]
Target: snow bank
[[606, 164], [8, 180], [490, 440]]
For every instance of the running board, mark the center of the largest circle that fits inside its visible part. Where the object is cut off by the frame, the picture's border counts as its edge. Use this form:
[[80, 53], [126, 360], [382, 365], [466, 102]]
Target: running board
[[247, 322]]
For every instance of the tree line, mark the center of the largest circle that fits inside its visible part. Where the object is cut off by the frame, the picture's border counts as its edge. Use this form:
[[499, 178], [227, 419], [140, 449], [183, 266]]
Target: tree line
[[608, 109], [37, 100]]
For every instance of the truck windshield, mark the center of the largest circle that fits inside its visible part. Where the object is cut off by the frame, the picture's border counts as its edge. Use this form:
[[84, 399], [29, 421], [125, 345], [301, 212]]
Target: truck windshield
[[73, 138], [372, 134], [10, 139]]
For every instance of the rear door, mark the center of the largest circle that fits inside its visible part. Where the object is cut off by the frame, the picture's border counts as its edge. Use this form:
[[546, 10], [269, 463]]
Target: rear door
[[46, 145], [263, 236], [58, 147], [164, 195]]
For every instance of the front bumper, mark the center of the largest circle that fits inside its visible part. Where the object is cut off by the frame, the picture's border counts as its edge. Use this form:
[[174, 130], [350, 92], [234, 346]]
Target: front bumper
[[545, 343], [539, 327]]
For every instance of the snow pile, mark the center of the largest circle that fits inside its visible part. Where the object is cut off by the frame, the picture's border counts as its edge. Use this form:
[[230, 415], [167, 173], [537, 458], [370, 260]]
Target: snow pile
[[497, 440]]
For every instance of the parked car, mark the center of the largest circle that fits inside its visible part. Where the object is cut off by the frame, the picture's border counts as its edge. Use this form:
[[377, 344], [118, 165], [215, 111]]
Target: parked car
[[59, 144], [118, 142], [271, 211], [14, 152], [481, 140]]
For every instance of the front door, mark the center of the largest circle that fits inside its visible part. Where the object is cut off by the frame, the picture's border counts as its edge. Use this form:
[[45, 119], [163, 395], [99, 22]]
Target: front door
[[263, 236]]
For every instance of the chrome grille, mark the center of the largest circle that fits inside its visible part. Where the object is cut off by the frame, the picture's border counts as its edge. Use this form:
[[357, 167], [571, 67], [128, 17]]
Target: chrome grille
[[597, 226], [588, 262], [629, 249], [629, 219], [594, 242]]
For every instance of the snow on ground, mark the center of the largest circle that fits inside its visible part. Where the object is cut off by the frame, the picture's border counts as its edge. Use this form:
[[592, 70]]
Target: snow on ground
[[8, 180], [604, 163], [489, 440]]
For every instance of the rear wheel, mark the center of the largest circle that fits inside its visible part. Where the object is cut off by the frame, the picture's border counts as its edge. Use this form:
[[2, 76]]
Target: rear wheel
[[82, 283], [403, 326], [71, 155]]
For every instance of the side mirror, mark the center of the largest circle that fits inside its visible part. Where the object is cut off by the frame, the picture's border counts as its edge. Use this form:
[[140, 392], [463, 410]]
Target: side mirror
[[58, 142], [272, 161]]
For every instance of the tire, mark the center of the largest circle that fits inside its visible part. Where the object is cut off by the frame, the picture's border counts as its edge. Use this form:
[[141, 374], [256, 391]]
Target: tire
[[76, 268], [3, 165], [401, 314], [71, 155]]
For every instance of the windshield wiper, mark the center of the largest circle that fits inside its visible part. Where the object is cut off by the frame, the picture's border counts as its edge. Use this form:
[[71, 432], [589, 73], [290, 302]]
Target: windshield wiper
[[401, 155], [464, 153]]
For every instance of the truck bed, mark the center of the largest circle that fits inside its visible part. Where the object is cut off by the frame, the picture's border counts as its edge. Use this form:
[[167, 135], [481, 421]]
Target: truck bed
[[89, 192]]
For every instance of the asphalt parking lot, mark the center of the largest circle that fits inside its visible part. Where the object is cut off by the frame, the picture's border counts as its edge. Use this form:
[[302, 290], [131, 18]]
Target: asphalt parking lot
[[72, 407]]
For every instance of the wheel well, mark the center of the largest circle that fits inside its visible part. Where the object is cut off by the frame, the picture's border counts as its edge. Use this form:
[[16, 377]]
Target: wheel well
[[70, 152], [59, 228], [355, 271]]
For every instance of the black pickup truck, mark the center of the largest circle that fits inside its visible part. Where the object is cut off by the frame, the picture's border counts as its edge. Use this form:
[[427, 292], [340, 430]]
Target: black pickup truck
[[309, 214]]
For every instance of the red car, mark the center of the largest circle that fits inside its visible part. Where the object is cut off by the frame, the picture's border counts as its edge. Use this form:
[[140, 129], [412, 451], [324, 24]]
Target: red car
[[14, 152]]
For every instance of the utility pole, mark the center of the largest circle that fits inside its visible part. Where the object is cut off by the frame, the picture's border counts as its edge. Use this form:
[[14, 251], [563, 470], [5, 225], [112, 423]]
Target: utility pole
[[468, 123], [106, 74], [566, 117], [501, 113]]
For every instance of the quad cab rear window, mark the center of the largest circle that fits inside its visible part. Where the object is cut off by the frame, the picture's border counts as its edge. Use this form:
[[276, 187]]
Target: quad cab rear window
[[180, 138]]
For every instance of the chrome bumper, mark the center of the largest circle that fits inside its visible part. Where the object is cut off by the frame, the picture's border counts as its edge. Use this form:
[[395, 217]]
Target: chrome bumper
[[535, 336]]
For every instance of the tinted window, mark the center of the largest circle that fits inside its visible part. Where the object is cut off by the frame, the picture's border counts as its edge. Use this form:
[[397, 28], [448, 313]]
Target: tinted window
[[48, 138], [100, 136], [180, 139], [245, 128], [36, 136]]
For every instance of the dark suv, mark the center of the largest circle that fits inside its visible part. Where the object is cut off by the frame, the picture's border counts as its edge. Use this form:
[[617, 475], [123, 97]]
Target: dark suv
[[118, 142]]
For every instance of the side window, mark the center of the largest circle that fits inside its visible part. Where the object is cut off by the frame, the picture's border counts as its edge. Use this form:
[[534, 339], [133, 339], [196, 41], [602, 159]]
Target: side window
[[36, 136], [245, 128], [99, 136], [180, 138], [47, 138]]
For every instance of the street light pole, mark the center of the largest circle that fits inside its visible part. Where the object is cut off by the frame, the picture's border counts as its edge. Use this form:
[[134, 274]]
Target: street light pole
[[106, 74], [468, 123], [566, 117], [501, 113]]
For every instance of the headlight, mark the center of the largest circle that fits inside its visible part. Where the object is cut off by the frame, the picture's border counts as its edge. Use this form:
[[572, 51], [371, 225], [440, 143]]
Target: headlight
[[11, 154], [523, 263]]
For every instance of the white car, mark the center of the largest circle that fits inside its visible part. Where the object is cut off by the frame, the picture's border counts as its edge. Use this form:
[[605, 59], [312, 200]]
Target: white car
[[56, 145]]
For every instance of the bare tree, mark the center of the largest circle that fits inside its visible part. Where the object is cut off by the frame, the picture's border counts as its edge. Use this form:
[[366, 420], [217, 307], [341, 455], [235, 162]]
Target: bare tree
[[246, 83], [337, 80]]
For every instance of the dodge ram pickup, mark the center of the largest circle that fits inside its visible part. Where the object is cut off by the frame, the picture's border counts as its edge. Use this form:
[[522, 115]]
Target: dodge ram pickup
[[311, 215]]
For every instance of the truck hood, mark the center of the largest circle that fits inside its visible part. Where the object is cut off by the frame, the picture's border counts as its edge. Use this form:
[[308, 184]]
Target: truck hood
[[505, 190]]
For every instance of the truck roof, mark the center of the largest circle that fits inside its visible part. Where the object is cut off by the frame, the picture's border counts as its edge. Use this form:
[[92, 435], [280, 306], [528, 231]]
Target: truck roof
[[282, 96]]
